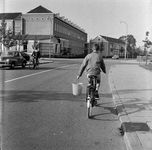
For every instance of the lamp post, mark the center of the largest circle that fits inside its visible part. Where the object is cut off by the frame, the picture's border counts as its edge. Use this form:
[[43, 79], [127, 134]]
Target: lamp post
[[126, 37], [49, 18]]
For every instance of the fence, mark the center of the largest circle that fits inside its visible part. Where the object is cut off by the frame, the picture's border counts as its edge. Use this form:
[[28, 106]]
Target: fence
[[143, 58]]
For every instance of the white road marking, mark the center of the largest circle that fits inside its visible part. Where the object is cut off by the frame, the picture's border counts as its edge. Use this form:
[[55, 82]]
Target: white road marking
[[7, 81]]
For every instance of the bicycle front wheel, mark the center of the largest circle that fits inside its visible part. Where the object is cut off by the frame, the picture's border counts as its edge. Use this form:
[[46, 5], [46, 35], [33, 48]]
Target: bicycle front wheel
[[31, 64], [89, 108]]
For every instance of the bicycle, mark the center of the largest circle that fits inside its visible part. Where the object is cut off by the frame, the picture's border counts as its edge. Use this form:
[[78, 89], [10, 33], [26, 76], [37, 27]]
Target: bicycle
[[33, 64], [90, 95]]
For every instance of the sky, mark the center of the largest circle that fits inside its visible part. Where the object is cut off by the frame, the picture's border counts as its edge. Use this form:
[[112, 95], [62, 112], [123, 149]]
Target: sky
[[96, 17]]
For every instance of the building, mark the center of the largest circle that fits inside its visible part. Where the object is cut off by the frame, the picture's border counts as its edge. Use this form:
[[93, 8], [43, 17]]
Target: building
[[111, 46], [56, 35]]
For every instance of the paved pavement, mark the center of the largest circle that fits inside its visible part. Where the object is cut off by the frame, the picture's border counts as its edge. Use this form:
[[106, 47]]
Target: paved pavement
[[42, 61], [131, 86]]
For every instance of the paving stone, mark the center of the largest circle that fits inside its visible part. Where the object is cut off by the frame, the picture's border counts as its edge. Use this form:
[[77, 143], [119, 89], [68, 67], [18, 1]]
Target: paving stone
[[132, 94]]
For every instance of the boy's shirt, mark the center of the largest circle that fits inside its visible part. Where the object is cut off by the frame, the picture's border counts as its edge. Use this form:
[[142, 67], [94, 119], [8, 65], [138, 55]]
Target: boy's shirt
[[34, 54], [93, 63]]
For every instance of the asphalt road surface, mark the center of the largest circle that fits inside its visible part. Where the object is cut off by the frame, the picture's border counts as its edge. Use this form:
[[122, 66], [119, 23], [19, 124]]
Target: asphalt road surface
[[40, 112]]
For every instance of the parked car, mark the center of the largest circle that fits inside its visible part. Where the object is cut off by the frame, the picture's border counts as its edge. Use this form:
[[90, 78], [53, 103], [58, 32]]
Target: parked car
[[11, 59], [115, 57]]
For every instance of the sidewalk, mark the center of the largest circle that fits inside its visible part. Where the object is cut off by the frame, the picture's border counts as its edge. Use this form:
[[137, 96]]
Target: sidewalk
[[131, 87], [45, 61]]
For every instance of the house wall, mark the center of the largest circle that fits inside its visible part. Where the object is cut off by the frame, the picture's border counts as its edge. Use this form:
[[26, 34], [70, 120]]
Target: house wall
[[116, 48], [41, 24], [76, 38], [108, 46], [38, 24], [105, 45]]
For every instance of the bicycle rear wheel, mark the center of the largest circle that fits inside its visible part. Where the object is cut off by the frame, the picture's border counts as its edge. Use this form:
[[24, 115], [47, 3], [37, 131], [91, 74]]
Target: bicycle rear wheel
[[31, 64]]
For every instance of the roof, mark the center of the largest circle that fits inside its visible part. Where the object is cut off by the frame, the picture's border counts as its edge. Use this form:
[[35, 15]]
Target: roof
[[40, 9], [114, 40], [9, 16]]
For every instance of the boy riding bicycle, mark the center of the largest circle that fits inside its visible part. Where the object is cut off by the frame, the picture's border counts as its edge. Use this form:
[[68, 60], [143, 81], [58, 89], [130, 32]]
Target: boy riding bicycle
[[36, 51], [93, 63], [36, 55]]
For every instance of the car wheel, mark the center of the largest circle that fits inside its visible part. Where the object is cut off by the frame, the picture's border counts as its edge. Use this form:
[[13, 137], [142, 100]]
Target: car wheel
[[12, 65], [23, 65]]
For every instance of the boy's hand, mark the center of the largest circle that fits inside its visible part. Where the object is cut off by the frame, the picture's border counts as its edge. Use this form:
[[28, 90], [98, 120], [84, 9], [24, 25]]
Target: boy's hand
[[78, 77]]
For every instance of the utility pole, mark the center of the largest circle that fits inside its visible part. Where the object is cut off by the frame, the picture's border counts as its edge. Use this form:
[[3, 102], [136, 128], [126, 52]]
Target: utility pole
[[126, 37]]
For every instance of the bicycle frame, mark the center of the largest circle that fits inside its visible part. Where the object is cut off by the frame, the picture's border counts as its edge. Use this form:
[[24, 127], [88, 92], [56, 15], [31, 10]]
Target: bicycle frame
[[90, 92], [92, 84], [33, 64]]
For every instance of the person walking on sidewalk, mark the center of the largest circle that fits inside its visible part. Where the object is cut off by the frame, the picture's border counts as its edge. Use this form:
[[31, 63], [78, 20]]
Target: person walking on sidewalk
[[93, 63]]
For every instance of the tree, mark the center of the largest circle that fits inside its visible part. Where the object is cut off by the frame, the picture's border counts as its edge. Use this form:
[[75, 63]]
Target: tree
[[2, 30], [2, 27], [6, 35], [20, 39], [131, 43], [122, 49]]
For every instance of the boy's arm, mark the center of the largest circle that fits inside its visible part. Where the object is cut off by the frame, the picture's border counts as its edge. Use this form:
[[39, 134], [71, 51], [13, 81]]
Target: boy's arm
[[32, 53], [83, 66], [103, 67]]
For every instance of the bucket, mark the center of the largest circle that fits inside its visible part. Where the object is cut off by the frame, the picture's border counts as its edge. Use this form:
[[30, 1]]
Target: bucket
[[77, 88]]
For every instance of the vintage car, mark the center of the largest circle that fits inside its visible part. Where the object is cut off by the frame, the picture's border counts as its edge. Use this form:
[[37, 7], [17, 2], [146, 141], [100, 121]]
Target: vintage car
[[11, 59], [115, 57]]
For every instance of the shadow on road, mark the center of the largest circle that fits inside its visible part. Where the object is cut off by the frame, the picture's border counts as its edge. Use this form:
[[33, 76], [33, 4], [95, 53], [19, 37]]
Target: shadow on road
[[37, 96], [136, 102]]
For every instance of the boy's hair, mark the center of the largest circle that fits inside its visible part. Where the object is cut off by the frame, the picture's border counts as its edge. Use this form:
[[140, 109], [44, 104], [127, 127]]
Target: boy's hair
[[96, 45]]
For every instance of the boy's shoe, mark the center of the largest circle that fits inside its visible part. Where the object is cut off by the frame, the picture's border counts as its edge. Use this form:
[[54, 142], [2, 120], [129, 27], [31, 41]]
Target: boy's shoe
[[96, 95], [95, 102]]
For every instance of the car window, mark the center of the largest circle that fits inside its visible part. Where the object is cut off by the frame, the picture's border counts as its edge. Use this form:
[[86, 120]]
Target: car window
[[7, 53], [20, 54], [16, 54]]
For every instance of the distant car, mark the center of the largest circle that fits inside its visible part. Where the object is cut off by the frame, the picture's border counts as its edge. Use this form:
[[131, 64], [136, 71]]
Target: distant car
[[115, 57], [11, 59]]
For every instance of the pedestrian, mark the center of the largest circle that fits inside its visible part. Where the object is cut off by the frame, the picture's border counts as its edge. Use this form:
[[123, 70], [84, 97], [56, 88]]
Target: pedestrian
[[93, 63]]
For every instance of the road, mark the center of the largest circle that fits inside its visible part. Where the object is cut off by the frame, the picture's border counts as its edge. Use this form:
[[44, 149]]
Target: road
[[40, 112]]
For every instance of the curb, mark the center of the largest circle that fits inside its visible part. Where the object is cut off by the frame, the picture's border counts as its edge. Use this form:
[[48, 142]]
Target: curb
[[131, 139], [45, 62]]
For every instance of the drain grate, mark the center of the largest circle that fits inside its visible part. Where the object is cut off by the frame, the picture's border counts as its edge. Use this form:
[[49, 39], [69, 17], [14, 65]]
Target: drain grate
[[134, 126]]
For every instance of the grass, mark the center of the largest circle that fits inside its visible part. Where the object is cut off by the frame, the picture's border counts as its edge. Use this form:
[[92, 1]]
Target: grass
[[148, 66]]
